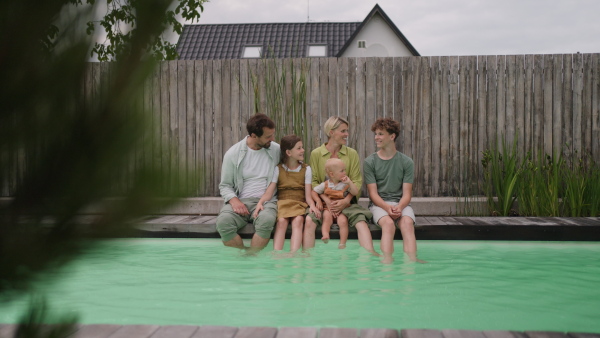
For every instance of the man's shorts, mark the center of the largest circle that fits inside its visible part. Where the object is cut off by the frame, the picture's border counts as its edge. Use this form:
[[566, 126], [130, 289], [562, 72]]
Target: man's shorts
[[378, 212], [228, 222]]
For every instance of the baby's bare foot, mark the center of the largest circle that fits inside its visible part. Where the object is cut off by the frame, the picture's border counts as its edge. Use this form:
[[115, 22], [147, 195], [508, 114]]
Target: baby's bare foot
[[325, 238], [342, 246]]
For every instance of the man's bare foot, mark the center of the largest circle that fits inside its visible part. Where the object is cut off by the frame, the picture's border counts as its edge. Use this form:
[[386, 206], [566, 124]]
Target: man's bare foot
[[325, 239], [342, 246]]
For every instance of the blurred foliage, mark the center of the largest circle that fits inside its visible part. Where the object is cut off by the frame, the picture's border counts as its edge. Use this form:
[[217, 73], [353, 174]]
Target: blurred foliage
[[61, 151], [119, 24], [31, 324]]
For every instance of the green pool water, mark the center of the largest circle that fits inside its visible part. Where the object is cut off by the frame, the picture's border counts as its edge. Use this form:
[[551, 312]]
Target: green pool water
[[465, 285]]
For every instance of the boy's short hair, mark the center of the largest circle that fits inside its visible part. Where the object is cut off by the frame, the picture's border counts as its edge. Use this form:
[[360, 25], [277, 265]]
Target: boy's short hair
[[333, 123], [257, 122], [388, 125], [332, 163]]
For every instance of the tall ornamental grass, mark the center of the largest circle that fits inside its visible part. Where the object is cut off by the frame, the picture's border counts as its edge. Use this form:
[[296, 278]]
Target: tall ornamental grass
[[555, 185], [501, 174], [283, 85]]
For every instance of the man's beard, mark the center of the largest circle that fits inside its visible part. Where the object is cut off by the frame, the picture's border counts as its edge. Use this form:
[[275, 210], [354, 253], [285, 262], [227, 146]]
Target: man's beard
[[266, 145]]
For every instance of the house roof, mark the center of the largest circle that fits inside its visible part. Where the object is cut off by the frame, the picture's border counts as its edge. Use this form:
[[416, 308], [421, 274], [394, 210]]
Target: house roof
[[279, 40], [378, 10]]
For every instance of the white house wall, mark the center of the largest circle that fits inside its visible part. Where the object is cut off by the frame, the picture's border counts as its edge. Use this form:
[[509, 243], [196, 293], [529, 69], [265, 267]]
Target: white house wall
[[380, 41]]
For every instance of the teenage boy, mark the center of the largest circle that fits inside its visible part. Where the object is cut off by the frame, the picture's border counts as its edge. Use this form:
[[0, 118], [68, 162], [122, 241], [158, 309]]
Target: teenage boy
[[389, 178]]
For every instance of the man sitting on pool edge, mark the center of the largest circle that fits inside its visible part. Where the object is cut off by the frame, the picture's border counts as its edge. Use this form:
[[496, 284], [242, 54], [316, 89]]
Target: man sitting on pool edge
[[246, 172], [389, 178]]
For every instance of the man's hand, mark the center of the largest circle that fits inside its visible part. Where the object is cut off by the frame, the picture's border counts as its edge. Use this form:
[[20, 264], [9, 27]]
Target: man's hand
[[239, 207]]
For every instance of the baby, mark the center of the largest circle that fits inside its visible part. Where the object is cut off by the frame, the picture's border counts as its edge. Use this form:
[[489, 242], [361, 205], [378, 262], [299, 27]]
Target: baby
[[335, 188]]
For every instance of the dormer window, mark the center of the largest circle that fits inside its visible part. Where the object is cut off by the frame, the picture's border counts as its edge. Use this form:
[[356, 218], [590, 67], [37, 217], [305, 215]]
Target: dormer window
[[362, 44], [317, 50], [251, 52]]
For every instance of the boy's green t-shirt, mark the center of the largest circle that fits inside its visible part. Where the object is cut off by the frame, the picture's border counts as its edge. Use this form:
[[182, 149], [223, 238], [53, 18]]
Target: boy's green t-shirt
[[389, 174]]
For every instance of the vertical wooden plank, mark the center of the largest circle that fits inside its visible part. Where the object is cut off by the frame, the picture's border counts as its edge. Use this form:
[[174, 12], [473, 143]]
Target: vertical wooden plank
[[212, 180], [361, 92], [253, 92], [528, 106], [482, 137], [407, 122], [510, 98], [333, 98], [586, 104], [520, 103], [548, 103], [181, 128], [225, 106], [596, 107], [567, 107], [379, 78], [398, 88], [165, 121], [471, 146], [173, 124], [416, 113], [352, 119], [445, 124], [190, 126], [236, 99], [388, 87], [199, 165], [501, 98], [217, 112], [426, 121], [557, 102], [436, 140], [323, 79], [315, 97], [373, 105], [577, 103], [463, 124], [537, 143], [492, 108], [342, 87], [454, 153], [247, 95], [158, 114]]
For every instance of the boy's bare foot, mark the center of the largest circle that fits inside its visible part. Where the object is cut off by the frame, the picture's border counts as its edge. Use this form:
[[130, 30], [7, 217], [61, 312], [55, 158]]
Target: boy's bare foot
[[325, 239], [342, 246]]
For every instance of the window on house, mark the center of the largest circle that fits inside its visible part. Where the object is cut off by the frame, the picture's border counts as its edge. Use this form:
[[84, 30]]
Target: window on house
[[317, 50], [362, 44], [251, 52]]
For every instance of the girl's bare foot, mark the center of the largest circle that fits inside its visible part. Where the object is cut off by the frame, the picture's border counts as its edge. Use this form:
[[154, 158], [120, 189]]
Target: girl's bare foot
[[325, 239], [342, 246]]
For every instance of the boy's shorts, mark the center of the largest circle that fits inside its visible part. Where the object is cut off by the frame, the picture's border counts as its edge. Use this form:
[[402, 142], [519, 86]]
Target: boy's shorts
[[378, 212]]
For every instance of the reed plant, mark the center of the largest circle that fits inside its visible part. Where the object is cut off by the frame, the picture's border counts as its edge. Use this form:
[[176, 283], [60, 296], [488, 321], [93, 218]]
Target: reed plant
[[284, 86], [502, 170], [540, 188], [545, 186]]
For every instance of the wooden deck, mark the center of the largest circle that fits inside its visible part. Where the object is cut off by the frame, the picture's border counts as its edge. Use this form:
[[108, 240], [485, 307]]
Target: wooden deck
[[428, 228], [189, 331]]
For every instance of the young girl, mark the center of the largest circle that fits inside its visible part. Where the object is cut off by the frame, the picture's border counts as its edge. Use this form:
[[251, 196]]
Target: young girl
[[292, 178]]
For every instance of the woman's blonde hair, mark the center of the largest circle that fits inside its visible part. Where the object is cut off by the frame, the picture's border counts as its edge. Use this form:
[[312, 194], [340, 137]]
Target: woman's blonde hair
[[333, 123]]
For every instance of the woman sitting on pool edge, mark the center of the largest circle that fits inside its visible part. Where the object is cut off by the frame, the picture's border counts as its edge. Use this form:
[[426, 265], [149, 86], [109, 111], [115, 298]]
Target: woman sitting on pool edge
[[336, 129]]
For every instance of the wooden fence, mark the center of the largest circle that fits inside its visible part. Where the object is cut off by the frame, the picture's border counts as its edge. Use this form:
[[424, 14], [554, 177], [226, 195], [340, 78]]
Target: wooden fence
[[451, 109]]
